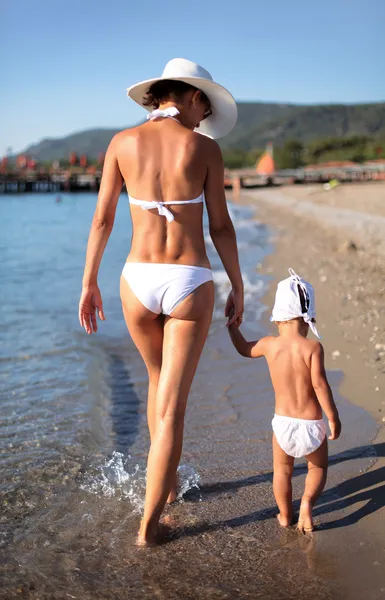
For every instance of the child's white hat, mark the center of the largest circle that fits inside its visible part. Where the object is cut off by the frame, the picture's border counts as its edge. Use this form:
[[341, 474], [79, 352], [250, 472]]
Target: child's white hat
[[289, 304]]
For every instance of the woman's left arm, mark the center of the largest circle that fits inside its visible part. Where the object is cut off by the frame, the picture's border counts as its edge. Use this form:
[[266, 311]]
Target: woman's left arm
[[102, 224]]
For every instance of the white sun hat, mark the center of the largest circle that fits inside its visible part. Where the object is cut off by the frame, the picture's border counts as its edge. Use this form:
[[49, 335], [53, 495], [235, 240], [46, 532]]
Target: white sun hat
[[223, 105], [289, 304]]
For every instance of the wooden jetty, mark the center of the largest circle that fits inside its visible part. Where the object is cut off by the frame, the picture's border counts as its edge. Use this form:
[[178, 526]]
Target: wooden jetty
[[82, 180], [11, 183], [322, 173]]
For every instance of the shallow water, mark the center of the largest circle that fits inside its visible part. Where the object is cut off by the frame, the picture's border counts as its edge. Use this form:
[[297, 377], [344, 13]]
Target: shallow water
[[74, 440]]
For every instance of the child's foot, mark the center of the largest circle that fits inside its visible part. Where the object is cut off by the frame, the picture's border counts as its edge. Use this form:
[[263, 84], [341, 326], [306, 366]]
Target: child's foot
[[284, 521], [305, 519]]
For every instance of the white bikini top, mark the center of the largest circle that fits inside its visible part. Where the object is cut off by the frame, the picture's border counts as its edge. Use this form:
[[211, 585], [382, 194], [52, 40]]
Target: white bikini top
[[169, 112], [162, 210]]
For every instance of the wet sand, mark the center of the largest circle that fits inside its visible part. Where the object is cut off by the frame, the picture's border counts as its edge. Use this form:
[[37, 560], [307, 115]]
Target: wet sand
[[69, 519], [75, 538], [341, 253]]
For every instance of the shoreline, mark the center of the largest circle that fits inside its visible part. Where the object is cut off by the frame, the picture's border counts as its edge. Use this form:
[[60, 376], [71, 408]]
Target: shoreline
[[350, 294], [348, 274], [76, 483]]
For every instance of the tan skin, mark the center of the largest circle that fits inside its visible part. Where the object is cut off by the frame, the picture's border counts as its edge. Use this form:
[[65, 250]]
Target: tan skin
[[165, 160], [302, 391]]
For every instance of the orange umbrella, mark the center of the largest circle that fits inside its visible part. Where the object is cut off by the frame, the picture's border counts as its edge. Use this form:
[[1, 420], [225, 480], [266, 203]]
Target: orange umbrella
[[266, 164]]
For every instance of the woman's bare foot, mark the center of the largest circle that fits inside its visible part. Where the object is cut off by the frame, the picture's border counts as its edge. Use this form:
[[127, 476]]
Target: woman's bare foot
[[172, 496], [305, 520], [147, 537], [284, 521], [150, 538], [147, 541], [173, 493]]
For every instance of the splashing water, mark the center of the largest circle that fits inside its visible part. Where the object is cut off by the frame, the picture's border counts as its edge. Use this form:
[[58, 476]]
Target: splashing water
[[188, 479], [120, 478]]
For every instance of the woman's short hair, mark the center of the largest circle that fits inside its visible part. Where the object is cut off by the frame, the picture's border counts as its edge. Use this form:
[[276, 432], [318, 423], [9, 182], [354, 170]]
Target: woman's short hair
[[168, 89]]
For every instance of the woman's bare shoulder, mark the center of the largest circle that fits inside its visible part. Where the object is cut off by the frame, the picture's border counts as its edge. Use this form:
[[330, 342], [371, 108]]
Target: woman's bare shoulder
[[208, 147], [124, 137], [206, 141]]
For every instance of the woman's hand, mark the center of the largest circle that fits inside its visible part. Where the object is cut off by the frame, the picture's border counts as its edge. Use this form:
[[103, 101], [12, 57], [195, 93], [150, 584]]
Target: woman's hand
[[234, 308], [90, 302]]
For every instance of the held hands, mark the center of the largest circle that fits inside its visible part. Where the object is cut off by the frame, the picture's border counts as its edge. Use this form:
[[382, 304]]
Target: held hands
[[234, 308], [335, 429], [90, 302]]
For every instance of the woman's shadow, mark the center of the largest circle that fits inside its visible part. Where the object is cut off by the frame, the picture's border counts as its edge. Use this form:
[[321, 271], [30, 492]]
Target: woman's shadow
[[368, 487]]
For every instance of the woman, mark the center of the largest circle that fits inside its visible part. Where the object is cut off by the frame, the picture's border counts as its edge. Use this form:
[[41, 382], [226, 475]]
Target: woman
[[167, 288]]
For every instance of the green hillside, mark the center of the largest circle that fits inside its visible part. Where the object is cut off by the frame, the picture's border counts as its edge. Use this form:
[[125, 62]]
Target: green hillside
[[254, 116], [307, 123], [90, 142], [257, 124]]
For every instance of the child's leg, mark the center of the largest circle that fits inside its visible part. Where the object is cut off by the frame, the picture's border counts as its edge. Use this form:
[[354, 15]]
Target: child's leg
[[317, 464], [283, 470]]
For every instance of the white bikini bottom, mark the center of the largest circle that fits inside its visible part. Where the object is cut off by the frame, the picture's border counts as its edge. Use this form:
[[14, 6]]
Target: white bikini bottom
[[160, 288], [298, 437]]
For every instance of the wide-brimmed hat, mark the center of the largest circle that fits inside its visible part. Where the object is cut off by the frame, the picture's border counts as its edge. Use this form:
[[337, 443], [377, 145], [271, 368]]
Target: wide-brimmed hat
[[223, 105]]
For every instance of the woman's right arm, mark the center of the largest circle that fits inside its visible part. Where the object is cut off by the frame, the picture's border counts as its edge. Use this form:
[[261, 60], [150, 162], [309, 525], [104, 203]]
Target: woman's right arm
[[222, 230], [102, 224]]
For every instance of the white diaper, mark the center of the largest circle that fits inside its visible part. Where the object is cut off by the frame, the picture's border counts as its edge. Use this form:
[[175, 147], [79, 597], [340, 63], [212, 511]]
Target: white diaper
[[298, 437]]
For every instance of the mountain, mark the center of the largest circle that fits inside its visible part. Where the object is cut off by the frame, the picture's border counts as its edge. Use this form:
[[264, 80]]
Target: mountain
[[90, 142], [257, 124], [306, 123], [254, 116]]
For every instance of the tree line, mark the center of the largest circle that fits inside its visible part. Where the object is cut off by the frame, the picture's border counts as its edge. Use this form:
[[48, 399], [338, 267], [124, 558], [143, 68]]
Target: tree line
[[293, 154]]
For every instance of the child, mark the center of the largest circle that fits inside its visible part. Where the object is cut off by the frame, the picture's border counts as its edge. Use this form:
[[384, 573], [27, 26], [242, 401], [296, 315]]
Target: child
[[297, 371]]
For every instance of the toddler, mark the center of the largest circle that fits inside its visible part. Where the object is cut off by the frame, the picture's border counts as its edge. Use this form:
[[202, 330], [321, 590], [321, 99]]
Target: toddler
[[302, 392]]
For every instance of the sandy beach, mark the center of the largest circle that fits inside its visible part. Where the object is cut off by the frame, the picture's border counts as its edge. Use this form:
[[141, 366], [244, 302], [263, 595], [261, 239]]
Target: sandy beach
[[335, 239], [75, 442]]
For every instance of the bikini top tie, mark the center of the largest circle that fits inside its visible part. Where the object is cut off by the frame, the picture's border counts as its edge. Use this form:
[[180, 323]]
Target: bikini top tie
[[162, 209], [169, 112]]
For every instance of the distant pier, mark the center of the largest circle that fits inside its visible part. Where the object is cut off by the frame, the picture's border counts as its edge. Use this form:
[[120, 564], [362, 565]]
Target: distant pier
[[22, 182], [14, 183], [322, 173]]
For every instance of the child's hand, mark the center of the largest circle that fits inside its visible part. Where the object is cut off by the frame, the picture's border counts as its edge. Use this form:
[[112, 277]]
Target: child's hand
[[335, 429]]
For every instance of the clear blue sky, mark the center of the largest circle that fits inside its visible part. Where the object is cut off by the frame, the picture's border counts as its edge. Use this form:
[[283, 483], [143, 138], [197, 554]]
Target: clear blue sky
[[66, 64]]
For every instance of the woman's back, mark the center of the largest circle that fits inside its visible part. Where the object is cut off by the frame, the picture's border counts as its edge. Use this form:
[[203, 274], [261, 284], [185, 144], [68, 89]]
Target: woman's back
[[167, 289], [162, 161]]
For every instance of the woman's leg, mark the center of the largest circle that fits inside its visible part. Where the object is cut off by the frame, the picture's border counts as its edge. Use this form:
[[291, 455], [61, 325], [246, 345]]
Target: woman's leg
[[283, 471], [146, 330], [185, 333]]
